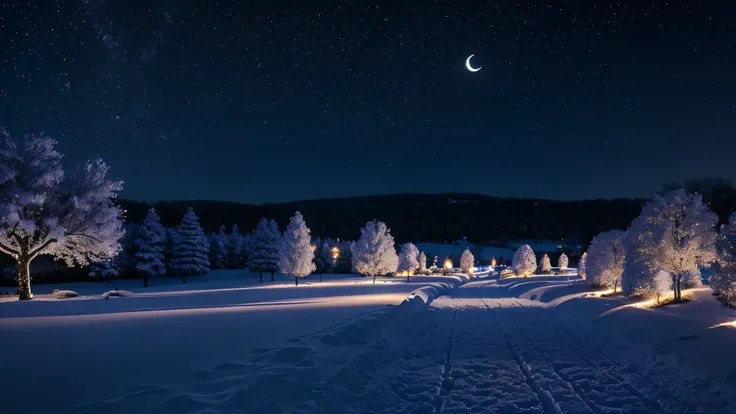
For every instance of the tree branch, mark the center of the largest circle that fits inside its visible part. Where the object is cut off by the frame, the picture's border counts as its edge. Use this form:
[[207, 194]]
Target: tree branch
[[38, 249], [8, 250]]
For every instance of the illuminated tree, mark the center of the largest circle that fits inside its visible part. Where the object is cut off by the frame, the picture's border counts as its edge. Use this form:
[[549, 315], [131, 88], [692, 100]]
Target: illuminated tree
[[563, 261], [467, 262], [42, 212], [408, 259], [544, 265], [606, 257], [296, 257], [582, 271], [422, 263], [374, 253], [524, 262]]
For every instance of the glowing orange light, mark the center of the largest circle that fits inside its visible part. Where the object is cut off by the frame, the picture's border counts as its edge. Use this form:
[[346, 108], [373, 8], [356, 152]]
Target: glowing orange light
[[335, 253], [448, 264]]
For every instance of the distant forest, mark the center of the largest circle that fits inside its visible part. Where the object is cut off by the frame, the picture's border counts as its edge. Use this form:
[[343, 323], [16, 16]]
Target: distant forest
[[440, 217]]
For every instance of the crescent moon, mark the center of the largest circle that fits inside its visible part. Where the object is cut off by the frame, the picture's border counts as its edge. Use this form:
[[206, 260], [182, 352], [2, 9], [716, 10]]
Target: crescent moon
[[470, 68]]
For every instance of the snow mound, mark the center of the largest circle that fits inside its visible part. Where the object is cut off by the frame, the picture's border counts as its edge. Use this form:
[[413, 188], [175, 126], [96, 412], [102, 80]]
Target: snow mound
[[64, 294], [117, 294]]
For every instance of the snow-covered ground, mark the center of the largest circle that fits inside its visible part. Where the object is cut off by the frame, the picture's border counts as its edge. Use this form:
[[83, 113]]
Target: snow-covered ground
[[86, 349], [542, 344]]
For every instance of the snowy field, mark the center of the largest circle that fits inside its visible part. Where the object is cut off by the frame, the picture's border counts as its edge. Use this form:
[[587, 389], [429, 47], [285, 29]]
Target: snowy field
[[86, 349], [543, 344]]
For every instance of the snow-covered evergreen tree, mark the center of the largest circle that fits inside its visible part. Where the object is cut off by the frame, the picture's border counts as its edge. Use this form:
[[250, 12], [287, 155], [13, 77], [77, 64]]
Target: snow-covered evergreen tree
[[150, 246], [723, 276], [295, 253], [674, 233], [606, 258], [422, 263], [408, 259], [544, 265], [524, 262], [105, 269], [582, 270], [44, 212], [191, 248], [467, 262], [218, 247], [374, 253], [329, 256], [264, 247], [345, 259], [563, 261], [234, 249]]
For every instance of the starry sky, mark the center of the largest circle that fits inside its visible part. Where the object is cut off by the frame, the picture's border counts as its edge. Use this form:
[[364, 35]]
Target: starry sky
[[269, 101]]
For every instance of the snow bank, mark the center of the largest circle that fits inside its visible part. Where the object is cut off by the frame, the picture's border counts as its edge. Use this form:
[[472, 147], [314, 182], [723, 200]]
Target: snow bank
[[64, 294], [116, 294]]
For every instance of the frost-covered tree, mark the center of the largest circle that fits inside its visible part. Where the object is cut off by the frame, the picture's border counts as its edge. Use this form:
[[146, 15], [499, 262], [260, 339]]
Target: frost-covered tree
[[264, 248], [606, 258], [150, 245], [234, 249], [662, 283], [218, 247], [467, 262], [675, 233], [295, 253], [422, 263], [408, 259], [374, 253], [524, 262], [191, 248], [105, 269], [544, 265], [563, 261], [582, 266], [692, 279], [42, 212], [723, 277]]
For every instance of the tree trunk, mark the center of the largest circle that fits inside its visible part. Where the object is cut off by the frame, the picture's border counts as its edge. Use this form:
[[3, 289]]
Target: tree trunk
[[272, 275], [24, 277], [261, 274], [615, 285], [145, 281], [679, 288], [183, 278], [296, 281], [374, 279], [320, 277], [407, 277]]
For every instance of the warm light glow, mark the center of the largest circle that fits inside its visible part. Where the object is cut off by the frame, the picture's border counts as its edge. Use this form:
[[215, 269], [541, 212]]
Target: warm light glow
[[472, 269], [335, 252], [448, 264], [314, 248], [731, 324], [493, 262]]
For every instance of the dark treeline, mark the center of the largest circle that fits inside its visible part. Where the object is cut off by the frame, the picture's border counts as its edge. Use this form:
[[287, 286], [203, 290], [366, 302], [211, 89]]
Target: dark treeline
[[417, 217]]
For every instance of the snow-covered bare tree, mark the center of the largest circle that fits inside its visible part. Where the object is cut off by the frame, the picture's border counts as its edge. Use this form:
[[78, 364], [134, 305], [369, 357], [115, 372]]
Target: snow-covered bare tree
[[606, 258], [544, 265], [190, 254], [150, 245], [675, 233], [42, 212], [582, 266], [234, 249], [422, 263], [524, 262], [563, 261], [467, 262], [264, 248], [408, 259], [218, 247], [296, 258], [374, 253]]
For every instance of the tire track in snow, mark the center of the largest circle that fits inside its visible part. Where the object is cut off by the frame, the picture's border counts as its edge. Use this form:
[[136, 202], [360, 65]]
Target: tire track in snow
[[446, 380]]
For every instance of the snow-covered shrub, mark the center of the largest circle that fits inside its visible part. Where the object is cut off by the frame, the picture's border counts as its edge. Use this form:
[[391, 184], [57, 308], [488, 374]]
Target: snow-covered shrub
[[296, 258], [606, 258], [44, 211], [408, 259], [467, 262], [374, 253], [692, 279], [264, 247], [563, 261], [150, 244], [544, 265], [64, 294], [190, 255], [524, 262], [115, 293], [422, 263], [506, 272], [675, 232], [582, 266]]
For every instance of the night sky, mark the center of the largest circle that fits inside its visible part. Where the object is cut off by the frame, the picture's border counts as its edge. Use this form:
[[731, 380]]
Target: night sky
[[268, 101]]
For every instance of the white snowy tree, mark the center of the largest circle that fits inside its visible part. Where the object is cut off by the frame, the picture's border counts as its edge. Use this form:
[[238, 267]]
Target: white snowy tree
[[234, 249], [408, 259], [191, 248], [218, 247], [544, 265], [422, 263], [606, 258], [42, 212], [467, 262], [675, 233], [150, 245], [662, 283], [264, 248], [582, 266], [296, 258], [374, 253], [723, 277], [563, 261], [524, 262]]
